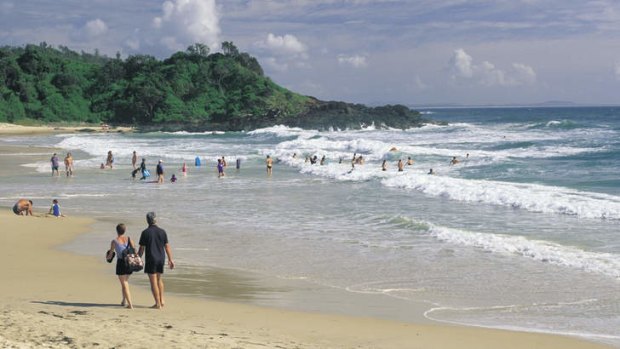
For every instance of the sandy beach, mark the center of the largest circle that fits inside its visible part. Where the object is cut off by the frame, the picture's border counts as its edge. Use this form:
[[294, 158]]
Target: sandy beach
[[55, 299], [58, 299], [13, 129]]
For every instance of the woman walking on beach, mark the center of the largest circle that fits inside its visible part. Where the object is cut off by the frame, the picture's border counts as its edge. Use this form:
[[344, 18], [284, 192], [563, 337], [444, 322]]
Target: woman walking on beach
[[117, 246]]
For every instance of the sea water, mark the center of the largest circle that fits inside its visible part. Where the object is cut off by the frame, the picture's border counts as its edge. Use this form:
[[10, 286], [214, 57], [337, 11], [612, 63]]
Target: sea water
[[522, 233]]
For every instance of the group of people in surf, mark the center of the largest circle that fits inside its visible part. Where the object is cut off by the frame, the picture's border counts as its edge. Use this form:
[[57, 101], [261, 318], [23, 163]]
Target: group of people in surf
[[359, 160]]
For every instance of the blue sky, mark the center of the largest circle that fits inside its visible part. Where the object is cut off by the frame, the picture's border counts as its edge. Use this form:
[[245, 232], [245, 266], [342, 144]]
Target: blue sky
[[367, 51]]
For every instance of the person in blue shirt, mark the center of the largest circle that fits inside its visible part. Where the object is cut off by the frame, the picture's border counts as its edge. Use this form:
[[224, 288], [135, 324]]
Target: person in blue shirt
[[55, 209]]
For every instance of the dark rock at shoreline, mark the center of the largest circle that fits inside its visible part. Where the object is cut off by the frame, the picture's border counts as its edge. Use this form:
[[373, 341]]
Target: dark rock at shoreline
[[320, 115]]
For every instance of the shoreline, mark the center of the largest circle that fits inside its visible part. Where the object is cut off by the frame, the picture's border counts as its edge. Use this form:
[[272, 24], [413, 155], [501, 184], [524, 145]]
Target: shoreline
[[94, 293], [68, 309]]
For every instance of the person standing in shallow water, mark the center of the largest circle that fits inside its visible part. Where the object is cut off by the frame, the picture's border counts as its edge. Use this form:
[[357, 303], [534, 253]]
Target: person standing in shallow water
[[220, 168], [269, 162], [54, 161], [160, 172], [400, 165], [154, 245], [69, 165], [134, 160], [109, 162], [123, 272]]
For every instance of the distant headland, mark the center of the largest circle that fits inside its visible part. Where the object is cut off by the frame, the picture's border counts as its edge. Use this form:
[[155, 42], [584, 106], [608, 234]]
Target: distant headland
[[191, 90]]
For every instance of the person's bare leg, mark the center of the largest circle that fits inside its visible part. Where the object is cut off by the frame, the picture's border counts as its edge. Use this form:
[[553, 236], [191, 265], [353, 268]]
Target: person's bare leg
[[155, 290], [160, 283], [126, 293], [120, 279]]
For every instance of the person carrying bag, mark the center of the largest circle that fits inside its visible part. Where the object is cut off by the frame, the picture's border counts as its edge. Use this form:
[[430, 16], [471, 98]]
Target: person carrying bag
[[118, 247]]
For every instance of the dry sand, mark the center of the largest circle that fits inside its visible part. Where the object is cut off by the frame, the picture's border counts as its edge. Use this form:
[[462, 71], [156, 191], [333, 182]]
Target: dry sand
[[12, 129], [56, 299]]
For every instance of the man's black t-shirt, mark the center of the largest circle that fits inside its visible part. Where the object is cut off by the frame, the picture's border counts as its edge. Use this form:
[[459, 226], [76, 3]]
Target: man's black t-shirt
[[154, 239]]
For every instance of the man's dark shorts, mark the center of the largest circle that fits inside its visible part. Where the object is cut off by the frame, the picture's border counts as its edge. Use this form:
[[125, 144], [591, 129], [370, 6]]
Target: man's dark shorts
[[16, 210], [154, 268]]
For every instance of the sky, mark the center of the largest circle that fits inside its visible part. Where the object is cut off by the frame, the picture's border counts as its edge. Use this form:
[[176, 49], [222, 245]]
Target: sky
[[414, 52]]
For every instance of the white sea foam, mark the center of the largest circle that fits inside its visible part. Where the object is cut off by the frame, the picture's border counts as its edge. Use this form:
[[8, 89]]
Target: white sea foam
[[543, 251], [514, 309], [186, 133], [531, 197], [285, 131], [376, 146], [150, 147]]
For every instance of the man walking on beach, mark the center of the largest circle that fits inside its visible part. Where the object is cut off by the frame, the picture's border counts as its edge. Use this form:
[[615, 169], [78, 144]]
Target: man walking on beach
[[155, 241]]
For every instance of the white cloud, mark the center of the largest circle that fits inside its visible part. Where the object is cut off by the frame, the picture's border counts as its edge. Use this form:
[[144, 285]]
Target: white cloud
[[419, 84], [95, 28], [617, 70], [286, 44], [461, 64], [276, 65], [282, 52], [356, 61], [133, 41], [523, 74], [185, 22], [171, 43], [487, 74]]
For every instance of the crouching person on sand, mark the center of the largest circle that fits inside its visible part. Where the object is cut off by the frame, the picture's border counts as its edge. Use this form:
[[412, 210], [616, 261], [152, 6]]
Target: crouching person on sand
[[23, 207]]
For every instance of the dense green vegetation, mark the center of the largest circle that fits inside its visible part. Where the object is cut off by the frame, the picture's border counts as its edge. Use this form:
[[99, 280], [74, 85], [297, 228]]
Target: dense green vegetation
[[190, 90]]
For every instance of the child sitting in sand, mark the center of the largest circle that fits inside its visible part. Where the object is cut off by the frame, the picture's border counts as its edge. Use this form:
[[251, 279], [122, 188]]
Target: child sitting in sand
[[55, 209]]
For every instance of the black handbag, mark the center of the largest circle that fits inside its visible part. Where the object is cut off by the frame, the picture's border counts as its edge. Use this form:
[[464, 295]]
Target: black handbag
[[133, 262]]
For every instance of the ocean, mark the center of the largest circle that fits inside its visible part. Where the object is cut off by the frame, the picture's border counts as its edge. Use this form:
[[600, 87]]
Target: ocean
[[523, 233]]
